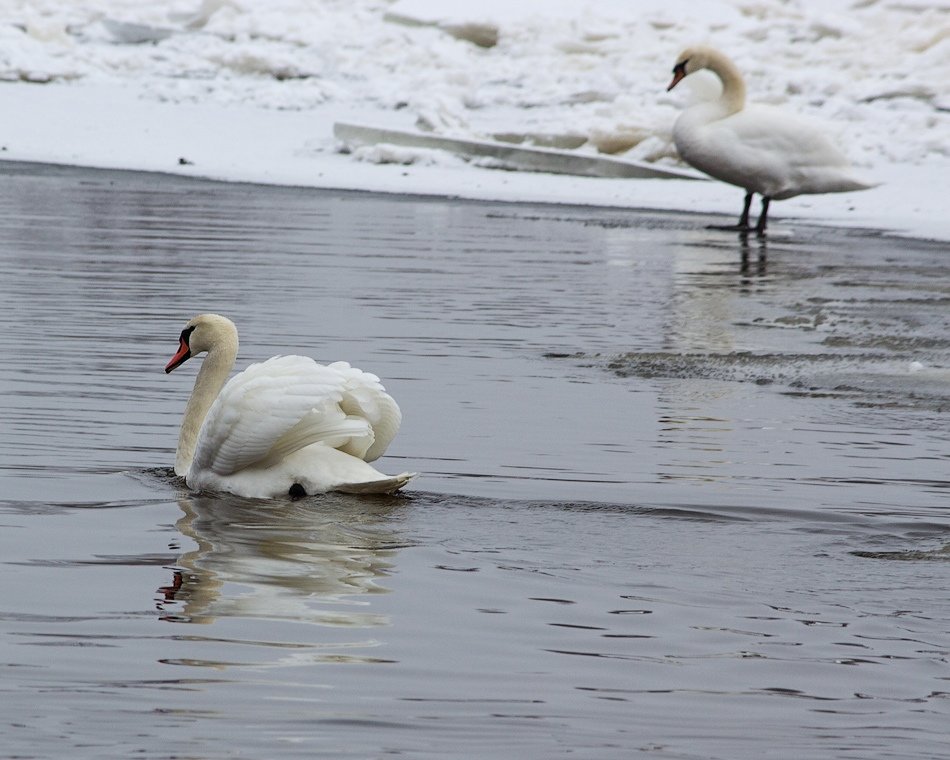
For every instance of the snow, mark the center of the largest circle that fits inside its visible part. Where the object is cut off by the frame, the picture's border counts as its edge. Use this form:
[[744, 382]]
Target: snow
[[249, 91]]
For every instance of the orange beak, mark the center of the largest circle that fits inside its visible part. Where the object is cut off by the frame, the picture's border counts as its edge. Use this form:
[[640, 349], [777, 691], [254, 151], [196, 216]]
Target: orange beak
[[183, 355], [679, 74]]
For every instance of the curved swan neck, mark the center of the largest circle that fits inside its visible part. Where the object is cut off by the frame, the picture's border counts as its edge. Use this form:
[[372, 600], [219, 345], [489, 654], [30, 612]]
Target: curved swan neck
[[733, 85], [211, 378]]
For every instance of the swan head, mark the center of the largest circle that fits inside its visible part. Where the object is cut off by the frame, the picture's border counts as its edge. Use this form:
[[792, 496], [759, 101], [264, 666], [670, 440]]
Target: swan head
[[694, 59], [203, 333]]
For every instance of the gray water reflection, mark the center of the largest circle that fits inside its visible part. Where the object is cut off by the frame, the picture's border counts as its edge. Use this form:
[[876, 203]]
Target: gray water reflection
[[681, 494], [286, 560]]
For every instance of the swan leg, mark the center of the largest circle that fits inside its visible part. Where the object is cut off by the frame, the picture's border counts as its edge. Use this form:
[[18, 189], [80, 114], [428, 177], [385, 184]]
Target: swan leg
[[743, 224], [763, 217], [744, 216]]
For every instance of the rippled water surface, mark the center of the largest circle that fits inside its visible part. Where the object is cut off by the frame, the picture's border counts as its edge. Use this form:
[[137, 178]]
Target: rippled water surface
[[681, 496]]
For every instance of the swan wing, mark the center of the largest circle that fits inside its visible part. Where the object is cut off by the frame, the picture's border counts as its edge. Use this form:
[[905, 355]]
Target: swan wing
[[272, 409], [365, 398]]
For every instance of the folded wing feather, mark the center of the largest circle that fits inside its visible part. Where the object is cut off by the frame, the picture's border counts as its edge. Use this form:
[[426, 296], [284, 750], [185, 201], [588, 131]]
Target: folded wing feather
[[286, 403], [365, 397]]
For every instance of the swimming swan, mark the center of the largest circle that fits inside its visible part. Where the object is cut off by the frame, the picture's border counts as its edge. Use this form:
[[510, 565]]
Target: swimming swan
[[285, 427], [761, 149]]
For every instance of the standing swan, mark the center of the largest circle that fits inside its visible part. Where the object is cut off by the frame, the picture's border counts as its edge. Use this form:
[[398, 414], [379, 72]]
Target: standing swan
[[285, 427], [763, 150]]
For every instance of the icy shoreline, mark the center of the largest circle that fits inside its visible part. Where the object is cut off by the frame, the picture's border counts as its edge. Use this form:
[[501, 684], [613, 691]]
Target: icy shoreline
[[252, 93], [185, 140]]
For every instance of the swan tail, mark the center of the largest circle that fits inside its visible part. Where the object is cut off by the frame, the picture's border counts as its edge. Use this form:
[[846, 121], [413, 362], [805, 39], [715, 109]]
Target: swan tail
[[821, 180], [848, 184], [382, 486]]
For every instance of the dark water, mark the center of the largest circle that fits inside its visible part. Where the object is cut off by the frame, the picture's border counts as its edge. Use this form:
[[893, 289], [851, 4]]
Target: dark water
[[681, 497]]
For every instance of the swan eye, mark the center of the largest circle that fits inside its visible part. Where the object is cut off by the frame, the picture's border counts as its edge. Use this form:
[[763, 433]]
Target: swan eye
[[680, 68], [186, 334]]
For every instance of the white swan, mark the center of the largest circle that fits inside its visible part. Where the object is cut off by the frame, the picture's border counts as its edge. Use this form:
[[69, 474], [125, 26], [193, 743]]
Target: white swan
[[761, 149], [286, 426]]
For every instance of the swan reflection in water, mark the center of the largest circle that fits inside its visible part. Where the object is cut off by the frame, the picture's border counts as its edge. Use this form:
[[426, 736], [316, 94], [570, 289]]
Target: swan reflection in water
[[745, 256], [308, 561]]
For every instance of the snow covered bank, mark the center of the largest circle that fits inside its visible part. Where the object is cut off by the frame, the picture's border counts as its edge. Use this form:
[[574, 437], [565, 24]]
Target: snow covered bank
[[250, 91]]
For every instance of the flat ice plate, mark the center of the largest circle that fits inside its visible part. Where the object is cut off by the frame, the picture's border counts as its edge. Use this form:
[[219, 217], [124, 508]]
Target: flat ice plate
[[513, 157]]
